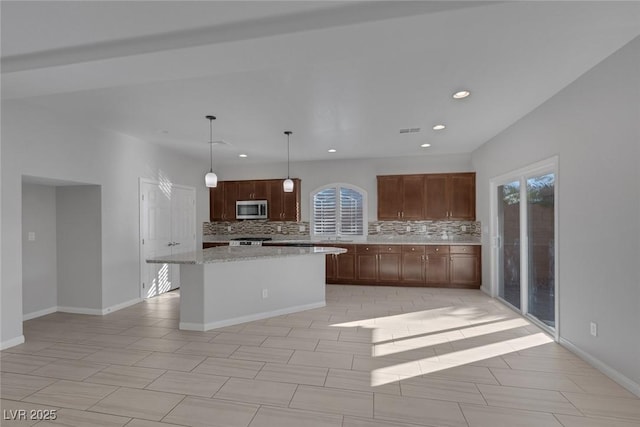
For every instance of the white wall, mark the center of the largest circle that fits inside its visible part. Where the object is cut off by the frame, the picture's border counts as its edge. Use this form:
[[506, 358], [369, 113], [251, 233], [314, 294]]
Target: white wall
[[360, 172], [39, 260], [593, 126], [36, 142], [79, 247]]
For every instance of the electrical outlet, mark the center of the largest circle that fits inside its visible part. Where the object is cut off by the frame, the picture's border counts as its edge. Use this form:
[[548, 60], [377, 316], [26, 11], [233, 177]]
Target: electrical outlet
[[279, 228], [301, 228], [408, 228], [463, 227], [594, 329], [31, 236], [265, 293], [229, 228], [378, 228]]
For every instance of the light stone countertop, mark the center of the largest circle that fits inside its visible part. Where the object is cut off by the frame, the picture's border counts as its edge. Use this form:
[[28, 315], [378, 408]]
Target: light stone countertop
[[242, 253], [371, 240]]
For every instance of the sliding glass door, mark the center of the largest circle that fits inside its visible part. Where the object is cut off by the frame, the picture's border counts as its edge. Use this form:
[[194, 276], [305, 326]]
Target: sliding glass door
[[524, 232], [509, 241], [541, 247]]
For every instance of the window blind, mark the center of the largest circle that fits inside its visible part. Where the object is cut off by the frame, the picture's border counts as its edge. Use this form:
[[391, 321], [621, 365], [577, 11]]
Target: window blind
[[351, 212], [325, 209]]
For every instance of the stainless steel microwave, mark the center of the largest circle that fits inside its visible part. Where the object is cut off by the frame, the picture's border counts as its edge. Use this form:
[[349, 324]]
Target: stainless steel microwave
[[251, 209]]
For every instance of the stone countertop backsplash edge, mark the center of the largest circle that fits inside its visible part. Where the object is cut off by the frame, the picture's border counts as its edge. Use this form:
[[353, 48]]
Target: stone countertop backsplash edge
[[371, 240]]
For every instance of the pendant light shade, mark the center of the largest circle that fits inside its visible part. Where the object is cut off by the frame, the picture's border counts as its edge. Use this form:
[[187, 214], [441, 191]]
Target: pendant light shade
[[287, 184], [211, 179]]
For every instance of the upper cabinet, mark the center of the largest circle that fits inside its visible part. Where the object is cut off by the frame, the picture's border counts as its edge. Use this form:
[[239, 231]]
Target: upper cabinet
[[400, 197], [430, 196], [283, 206], [280, 205], [450, 196]]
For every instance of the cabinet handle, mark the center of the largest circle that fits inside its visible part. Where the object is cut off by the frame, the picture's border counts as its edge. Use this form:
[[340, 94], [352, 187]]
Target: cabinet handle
[[437, 249], [413, 249], [426, 258], [402, 214], [398, 214]]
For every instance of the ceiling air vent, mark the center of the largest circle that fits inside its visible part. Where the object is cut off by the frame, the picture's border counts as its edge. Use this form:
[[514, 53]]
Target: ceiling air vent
[[410, 130]]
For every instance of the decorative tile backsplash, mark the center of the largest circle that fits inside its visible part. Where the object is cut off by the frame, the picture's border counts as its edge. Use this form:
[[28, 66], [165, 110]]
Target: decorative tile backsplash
[[431, 229]]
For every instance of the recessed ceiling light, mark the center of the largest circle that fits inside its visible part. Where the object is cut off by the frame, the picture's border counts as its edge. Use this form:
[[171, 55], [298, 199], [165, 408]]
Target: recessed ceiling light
[[461, 94], [439, 127], [332, 150], [425, 145], [242, 155]]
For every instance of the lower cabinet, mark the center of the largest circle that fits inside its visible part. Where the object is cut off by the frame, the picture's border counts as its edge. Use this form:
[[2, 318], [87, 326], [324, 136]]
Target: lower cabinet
[[465, 266], [341, 268], [455, 266]]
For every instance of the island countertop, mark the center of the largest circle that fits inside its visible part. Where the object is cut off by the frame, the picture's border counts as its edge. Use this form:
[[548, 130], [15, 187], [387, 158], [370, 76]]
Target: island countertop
[[242, 253]]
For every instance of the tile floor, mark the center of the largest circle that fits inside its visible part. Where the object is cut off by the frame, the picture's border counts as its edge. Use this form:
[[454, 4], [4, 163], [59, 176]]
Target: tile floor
[[373, 357]]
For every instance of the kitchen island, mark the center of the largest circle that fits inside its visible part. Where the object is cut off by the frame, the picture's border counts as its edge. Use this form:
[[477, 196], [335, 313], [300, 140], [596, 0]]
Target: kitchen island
[[225, 286]]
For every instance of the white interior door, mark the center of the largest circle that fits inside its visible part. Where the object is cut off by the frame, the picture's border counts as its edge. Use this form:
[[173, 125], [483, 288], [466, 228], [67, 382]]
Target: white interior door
[[167, 225]]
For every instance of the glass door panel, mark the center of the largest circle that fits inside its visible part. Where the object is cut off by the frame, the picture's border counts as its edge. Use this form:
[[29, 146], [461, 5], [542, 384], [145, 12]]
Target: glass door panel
[[509, 243], [541, 248]]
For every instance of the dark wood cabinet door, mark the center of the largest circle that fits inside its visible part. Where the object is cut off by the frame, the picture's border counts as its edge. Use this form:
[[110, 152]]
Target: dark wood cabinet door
[[465, 270], [436, 196], [413, 268], [245, 190], [462, 196], [330, 268], [389, 197], [437, 270], [367, 268], [412, 197], [345, 268], [261, 189], [275, 200], [230, 198], [389, 267], [216, 202]]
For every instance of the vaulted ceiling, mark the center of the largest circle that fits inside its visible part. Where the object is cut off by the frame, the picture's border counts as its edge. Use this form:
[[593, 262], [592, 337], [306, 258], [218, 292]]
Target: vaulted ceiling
[[342, 75]]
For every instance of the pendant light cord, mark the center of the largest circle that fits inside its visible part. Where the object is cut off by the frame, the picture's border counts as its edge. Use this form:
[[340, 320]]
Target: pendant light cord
[[211, 119], [288, 133]]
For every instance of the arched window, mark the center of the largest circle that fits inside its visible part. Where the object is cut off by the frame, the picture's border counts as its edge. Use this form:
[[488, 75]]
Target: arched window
[[339, 211]]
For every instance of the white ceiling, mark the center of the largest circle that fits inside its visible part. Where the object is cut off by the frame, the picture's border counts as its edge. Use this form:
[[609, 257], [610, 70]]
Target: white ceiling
[[344, 75]]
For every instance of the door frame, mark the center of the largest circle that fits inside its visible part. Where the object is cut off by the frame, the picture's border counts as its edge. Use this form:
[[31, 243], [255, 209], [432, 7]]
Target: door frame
[[141, 219], [550, 165]]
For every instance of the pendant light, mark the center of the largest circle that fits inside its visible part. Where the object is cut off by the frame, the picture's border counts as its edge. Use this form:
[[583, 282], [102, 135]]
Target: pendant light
[[211, 179], [287, 184]]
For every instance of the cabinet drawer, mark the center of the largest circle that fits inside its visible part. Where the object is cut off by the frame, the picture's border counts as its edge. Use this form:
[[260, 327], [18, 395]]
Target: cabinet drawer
[[416, 249], [367, 249], [389, 249], [437, 249], [465, 249]]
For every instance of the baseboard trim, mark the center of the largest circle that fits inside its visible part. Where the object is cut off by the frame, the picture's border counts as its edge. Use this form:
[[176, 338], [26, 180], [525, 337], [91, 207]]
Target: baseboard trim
[[39, 313], [80, 310], [616, 376], [12, 342], [190, 326], [122, 305]]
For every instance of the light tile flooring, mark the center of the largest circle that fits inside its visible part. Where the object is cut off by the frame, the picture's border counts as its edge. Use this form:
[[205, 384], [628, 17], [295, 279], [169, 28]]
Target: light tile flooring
[[373, 357]]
